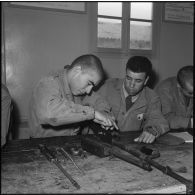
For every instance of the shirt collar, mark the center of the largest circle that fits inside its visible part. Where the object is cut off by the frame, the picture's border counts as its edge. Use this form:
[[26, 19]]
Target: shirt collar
[[134, 98]]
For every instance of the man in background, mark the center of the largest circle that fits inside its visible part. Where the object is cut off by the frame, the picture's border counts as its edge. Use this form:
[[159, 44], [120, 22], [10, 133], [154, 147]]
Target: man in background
[[135, 106], [6, 108], [61, 101], [176, 94]]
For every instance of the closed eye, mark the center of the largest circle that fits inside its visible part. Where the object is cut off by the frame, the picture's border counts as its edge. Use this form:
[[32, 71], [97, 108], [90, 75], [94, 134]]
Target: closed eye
[[91, 83]]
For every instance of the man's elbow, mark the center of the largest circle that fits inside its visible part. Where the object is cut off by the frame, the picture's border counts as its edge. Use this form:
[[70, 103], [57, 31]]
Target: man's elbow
[[164, 128], [48, 120]]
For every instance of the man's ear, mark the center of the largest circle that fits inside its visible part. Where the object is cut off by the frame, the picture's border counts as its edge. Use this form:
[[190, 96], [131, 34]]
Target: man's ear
[[178, 85], [147, 78], [77, 71]]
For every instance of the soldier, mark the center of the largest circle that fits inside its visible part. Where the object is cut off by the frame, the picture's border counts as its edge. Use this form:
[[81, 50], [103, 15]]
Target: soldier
[[176, 94], [61, 101], [135, 106]]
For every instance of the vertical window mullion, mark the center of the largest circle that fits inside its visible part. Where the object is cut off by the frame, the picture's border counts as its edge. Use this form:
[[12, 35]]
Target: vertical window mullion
[[125, 27]]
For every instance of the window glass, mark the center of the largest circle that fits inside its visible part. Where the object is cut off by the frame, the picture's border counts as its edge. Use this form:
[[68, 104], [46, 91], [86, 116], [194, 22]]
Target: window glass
[[141, 10], [110, 9], [109, 33], [140, 35]]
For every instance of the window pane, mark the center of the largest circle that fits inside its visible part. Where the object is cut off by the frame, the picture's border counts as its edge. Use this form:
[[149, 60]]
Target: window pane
[[109, 33], [140, 35], [110, 9], [141, 10]]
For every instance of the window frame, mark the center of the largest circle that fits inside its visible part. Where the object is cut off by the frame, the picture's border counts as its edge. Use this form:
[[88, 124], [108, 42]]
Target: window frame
[[124, 50]]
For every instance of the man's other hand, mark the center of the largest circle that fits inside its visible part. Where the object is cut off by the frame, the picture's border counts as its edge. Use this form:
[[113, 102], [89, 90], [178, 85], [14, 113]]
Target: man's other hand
[[145, 137], [105, 120]]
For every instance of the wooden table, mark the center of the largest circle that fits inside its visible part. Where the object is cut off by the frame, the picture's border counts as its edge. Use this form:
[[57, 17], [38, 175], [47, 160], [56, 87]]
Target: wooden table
[[25, 170]]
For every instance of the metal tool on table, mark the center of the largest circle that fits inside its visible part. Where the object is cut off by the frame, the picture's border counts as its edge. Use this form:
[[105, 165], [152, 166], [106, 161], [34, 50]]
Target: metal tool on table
[[66, 155], [145, 155], [52, 158]]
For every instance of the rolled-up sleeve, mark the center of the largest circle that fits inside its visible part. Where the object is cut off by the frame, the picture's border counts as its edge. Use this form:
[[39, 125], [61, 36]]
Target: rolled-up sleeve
[[52, 108]]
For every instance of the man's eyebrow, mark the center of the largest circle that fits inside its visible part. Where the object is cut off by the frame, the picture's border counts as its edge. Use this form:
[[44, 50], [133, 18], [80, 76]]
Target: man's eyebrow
[[92, 83]]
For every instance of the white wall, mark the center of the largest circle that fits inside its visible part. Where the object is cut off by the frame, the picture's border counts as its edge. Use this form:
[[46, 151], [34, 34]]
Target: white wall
[[176, 48]]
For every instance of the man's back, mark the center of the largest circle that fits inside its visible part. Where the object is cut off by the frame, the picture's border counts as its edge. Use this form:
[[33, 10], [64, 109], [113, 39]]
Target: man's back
[[174, 107]]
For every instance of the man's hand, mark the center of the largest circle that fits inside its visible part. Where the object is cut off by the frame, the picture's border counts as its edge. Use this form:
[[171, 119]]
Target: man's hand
[[145, 137], [105, 120]]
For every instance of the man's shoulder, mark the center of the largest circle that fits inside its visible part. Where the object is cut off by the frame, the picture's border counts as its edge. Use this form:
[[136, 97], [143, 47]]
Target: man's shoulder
[[49, 80], [150, 93], [169, 82]]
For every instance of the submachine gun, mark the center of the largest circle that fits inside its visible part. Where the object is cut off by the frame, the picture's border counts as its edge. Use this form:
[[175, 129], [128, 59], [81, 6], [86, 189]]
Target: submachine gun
[[105, 143]]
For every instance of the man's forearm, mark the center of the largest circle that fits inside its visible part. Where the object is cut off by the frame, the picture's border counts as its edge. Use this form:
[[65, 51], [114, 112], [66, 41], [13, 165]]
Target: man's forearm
[[69, 117]]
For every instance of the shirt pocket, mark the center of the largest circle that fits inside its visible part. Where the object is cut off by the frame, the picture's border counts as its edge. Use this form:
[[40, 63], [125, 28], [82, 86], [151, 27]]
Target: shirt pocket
[[140, 115]]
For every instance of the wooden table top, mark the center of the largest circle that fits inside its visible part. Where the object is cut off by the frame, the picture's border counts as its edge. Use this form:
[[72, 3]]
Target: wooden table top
[[25, 170]]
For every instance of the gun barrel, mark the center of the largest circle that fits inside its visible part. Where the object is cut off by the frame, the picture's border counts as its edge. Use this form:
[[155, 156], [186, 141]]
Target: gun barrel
[[67, 175], [65, 154], [52, 158], [165, 169], [142, 164], [168, 171]]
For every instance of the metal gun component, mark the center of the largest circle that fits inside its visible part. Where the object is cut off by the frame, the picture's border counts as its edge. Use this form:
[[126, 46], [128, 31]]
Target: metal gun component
[[77, 151], [52, 158], [66, 155], [145, 155], [168, 171], [102, 149], [115, 151], [165, 169]]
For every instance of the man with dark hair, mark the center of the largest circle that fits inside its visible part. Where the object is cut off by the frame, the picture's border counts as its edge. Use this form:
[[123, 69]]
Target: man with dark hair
[[135, 106], [62, 100], [176, 94]]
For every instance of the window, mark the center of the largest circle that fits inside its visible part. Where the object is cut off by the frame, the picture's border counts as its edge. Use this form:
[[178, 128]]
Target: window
[[124, 26]]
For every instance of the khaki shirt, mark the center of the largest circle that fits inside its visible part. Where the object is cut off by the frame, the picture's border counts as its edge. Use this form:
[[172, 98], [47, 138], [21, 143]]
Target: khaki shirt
[[54, 111], [174, 107], [144, 113]]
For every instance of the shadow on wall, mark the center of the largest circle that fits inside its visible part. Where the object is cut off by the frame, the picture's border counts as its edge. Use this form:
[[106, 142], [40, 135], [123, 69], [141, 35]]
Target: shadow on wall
[[15, 121], [153, 80]]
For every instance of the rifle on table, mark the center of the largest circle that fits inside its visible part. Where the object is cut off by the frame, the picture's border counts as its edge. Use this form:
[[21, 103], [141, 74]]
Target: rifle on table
[[105, 142], [165, 169], [52, 158]]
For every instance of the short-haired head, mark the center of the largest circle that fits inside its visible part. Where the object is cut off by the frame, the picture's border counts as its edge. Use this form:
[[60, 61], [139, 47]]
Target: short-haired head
[[185, 75], [139, 64], [89, 62]]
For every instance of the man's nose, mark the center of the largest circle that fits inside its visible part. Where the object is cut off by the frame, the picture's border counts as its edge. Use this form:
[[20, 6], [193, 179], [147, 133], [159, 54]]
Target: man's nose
[[132, 84], [88, 90]]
